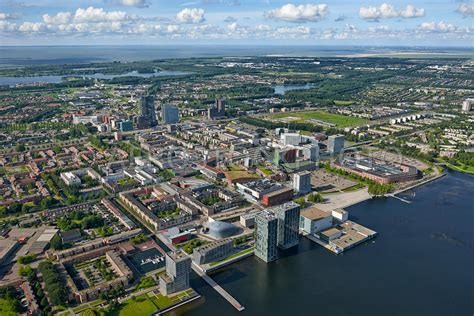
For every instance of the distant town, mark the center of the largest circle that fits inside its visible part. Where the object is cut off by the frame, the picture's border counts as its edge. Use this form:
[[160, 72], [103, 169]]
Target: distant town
[[120, 180]]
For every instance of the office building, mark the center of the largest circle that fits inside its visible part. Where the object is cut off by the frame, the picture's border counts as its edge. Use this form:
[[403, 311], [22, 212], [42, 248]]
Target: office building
[[214, 251], [290, 138], [311, 152], [466, 105], [288, 216], [314, 220], [169, 114], [335, 144], [266, 225], [218, 110], [302, 182], [176, 277], [125, 126], [147, 116]]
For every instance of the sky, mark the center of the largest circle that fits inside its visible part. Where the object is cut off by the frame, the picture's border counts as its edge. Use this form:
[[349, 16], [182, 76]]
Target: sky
[[256, 22]]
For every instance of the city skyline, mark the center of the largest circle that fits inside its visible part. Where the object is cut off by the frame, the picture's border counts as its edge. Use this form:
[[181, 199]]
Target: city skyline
[[156, 22]]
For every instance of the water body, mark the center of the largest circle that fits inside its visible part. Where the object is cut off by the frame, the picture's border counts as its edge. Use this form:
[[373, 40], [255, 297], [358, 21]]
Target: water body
[[420, 264], [281, 89], [18, 56], [12, 81]]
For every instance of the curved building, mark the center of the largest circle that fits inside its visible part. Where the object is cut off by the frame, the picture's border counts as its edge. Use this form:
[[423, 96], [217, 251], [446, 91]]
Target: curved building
[[219, 230]]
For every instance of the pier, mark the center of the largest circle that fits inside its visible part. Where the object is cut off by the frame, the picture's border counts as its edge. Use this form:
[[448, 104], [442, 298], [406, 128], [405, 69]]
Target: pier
[[196, 268], [399, 198], [217, 287]]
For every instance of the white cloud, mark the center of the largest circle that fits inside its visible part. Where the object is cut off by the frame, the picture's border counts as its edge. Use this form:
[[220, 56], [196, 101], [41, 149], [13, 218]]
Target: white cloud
[[6, 26], [190, 16], [8, 16], [441, 27], [388, 11], [341, 36], [89, 15], [412, 12], [466, 9], [301, 13], [134, 3], [232, 27], [92, 14], [29, 27], [294, 30], [58, 18]]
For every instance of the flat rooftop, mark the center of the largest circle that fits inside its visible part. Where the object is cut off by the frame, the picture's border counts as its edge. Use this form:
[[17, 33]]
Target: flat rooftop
[[314, 214]]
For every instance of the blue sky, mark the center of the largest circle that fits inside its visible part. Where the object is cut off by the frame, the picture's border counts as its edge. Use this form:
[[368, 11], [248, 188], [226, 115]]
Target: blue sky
[[331, 22]]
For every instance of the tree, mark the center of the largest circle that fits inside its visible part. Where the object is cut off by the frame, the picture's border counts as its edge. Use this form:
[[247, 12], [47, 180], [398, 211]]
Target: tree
[[56, 242], [316, 198], [20, 147], [301, 201]]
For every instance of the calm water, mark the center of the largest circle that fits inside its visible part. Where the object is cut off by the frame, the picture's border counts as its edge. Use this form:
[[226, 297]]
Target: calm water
[[12, 81], [420, 264], [11, 56], [281, 89]]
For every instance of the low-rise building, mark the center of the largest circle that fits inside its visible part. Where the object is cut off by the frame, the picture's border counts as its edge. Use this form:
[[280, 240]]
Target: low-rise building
[[314, 220]]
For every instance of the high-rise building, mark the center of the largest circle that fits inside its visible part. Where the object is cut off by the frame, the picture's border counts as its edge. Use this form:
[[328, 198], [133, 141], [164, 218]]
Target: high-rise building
[[266, 225], [288, 216], [147, 116], [169, 114], [335, 144], [220, 106], [466, 105], [176, 278], [290, 138], [302, 182], [311, 152], [218, 110]]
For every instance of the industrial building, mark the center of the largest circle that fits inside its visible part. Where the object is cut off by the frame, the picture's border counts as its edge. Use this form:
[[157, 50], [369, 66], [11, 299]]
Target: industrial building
[[377, 170]]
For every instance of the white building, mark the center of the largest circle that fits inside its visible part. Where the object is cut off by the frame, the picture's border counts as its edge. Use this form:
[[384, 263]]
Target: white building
[[311, 152], [70, 178], [290, 139], [466, 105], [340, 215], [314, 220], [302, 182]]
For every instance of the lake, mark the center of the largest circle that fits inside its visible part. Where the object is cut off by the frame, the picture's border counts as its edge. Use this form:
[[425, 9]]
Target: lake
[[281, 89], [12, 81]]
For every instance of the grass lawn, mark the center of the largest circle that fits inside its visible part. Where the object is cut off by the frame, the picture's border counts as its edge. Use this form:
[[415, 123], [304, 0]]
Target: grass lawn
[[141, 306], [339, 102], [235, 255], [241, 174], [463, 168], [339, 120], [265, 171], [12, 170], [161, 301]]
